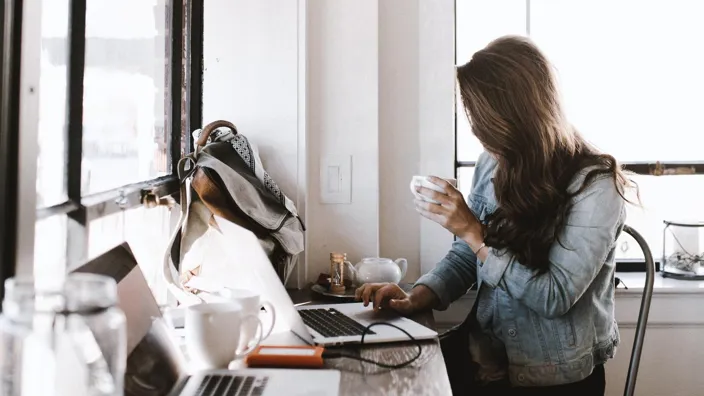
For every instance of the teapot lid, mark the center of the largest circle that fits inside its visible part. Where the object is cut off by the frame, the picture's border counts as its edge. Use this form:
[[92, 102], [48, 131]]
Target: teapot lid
[[376, 259]]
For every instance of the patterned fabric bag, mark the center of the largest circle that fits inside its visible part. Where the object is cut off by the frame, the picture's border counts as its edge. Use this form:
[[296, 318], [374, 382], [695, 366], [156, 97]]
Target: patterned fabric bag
[[224, 176]]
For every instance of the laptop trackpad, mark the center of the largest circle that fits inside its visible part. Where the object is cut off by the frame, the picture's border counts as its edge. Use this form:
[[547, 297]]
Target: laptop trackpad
[[371, 316]]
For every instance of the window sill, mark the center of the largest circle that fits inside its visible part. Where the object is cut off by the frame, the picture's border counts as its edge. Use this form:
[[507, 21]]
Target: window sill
[[635, 281]]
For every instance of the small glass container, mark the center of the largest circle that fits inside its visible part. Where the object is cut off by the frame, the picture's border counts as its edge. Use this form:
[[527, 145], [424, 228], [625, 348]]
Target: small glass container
[[337, 272], [683, 250], [38, 326]]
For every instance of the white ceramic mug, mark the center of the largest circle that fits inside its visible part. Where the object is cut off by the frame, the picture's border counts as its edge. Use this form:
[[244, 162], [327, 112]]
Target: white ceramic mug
[[252, 304], [423, 181], [213, 333]]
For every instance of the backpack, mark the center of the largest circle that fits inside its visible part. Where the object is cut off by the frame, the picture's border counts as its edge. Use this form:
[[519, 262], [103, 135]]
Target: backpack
[[224, 176]]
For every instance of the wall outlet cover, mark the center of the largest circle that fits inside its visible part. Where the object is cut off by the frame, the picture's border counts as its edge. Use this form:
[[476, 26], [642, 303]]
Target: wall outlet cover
[[336, 180]]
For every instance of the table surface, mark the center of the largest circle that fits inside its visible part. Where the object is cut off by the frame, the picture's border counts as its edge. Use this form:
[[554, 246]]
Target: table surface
[[426, 376]]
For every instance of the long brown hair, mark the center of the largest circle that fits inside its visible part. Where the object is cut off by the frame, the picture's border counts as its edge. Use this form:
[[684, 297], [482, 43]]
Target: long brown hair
[[510, 95]]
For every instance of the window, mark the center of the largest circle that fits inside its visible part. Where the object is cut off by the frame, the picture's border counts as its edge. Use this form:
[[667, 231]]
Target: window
[[111, 122], [620, 88], [126, 93], [10, 42]]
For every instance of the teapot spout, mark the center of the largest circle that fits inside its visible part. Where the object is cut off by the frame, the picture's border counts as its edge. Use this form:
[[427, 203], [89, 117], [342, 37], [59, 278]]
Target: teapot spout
[[403, 265]]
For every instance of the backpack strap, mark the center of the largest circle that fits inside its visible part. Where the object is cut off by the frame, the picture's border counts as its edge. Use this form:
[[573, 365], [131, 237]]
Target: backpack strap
[[208, 129], [186, 167]]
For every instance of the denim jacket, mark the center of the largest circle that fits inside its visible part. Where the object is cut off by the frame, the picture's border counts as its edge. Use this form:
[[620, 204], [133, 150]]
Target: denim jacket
[[556, 326]]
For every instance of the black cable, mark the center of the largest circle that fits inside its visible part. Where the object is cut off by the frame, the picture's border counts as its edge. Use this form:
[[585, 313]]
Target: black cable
[[338, 355]]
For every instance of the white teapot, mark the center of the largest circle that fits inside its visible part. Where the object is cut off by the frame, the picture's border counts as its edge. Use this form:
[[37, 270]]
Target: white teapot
[[378, 270]]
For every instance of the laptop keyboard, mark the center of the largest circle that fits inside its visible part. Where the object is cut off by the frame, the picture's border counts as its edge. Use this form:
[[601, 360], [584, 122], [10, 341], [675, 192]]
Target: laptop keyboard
[[232, 385], [331, 322]]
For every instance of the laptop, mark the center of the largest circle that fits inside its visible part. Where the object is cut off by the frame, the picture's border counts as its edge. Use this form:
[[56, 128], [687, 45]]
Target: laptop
[[156, 364], [239, 251]]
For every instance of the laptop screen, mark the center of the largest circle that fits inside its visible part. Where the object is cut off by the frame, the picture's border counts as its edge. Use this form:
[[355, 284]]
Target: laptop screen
[[154, 362]]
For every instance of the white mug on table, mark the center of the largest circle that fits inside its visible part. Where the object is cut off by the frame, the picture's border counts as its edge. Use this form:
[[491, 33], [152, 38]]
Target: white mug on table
[[252, 304], [214, 332]]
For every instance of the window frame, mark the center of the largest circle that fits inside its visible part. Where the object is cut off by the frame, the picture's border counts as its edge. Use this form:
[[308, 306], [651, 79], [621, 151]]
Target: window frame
[[11, 39], [651, 168], [185, 112]]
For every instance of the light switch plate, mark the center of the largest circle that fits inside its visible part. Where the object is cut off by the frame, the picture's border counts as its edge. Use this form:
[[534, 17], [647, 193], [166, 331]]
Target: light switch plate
[[336, 179]]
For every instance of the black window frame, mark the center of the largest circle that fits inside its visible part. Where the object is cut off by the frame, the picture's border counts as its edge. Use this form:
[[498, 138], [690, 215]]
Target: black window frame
[[183, 115], [11, 39], [648, 168]]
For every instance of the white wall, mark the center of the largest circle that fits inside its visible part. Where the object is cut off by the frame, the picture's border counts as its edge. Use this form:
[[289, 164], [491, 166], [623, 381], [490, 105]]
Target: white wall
[[343, 120], [369, 79], [416, 68], [253, 74], [399, 146], [251, 78], [380, 88], [437, 112]]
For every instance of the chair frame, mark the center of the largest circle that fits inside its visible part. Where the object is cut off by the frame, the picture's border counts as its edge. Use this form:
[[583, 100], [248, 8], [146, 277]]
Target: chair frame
[[644, 311]]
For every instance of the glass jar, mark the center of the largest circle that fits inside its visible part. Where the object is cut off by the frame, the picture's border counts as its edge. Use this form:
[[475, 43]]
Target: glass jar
[[72, 337], [683, 250], [15, 328]]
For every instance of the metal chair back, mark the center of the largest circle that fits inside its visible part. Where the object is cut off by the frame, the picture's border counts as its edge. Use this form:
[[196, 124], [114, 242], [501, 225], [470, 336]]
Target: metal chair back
[[644, 311]]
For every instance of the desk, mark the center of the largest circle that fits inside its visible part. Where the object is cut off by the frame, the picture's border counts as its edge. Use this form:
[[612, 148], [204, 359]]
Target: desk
[[426, 376]]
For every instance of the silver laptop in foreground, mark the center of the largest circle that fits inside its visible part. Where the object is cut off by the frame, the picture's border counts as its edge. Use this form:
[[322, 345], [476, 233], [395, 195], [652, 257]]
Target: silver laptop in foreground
[[155, 363], [333, 324]]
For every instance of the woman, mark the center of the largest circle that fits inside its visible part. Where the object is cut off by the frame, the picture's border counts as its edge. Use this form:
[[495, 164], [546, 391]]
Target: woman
[[537, 236]]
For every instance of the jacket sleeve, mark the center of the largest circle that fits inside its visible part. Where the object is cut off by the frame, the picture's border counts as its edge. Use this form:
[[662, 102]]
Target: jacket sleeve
[[588, 237], [453, 276]]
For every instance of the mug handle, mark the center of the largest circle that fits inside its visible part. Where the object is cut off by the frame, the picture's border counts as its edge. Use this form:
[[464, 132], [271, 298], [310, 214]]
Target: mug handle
[[260, 333], [269, 308]]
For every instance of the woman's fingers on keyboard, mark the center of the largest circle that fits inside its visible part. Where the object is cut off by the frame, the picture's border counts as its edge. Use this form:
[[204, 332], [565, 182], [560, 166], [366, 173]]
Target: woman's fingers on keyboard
[[383, 295], [367, 292], [359, 293]]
